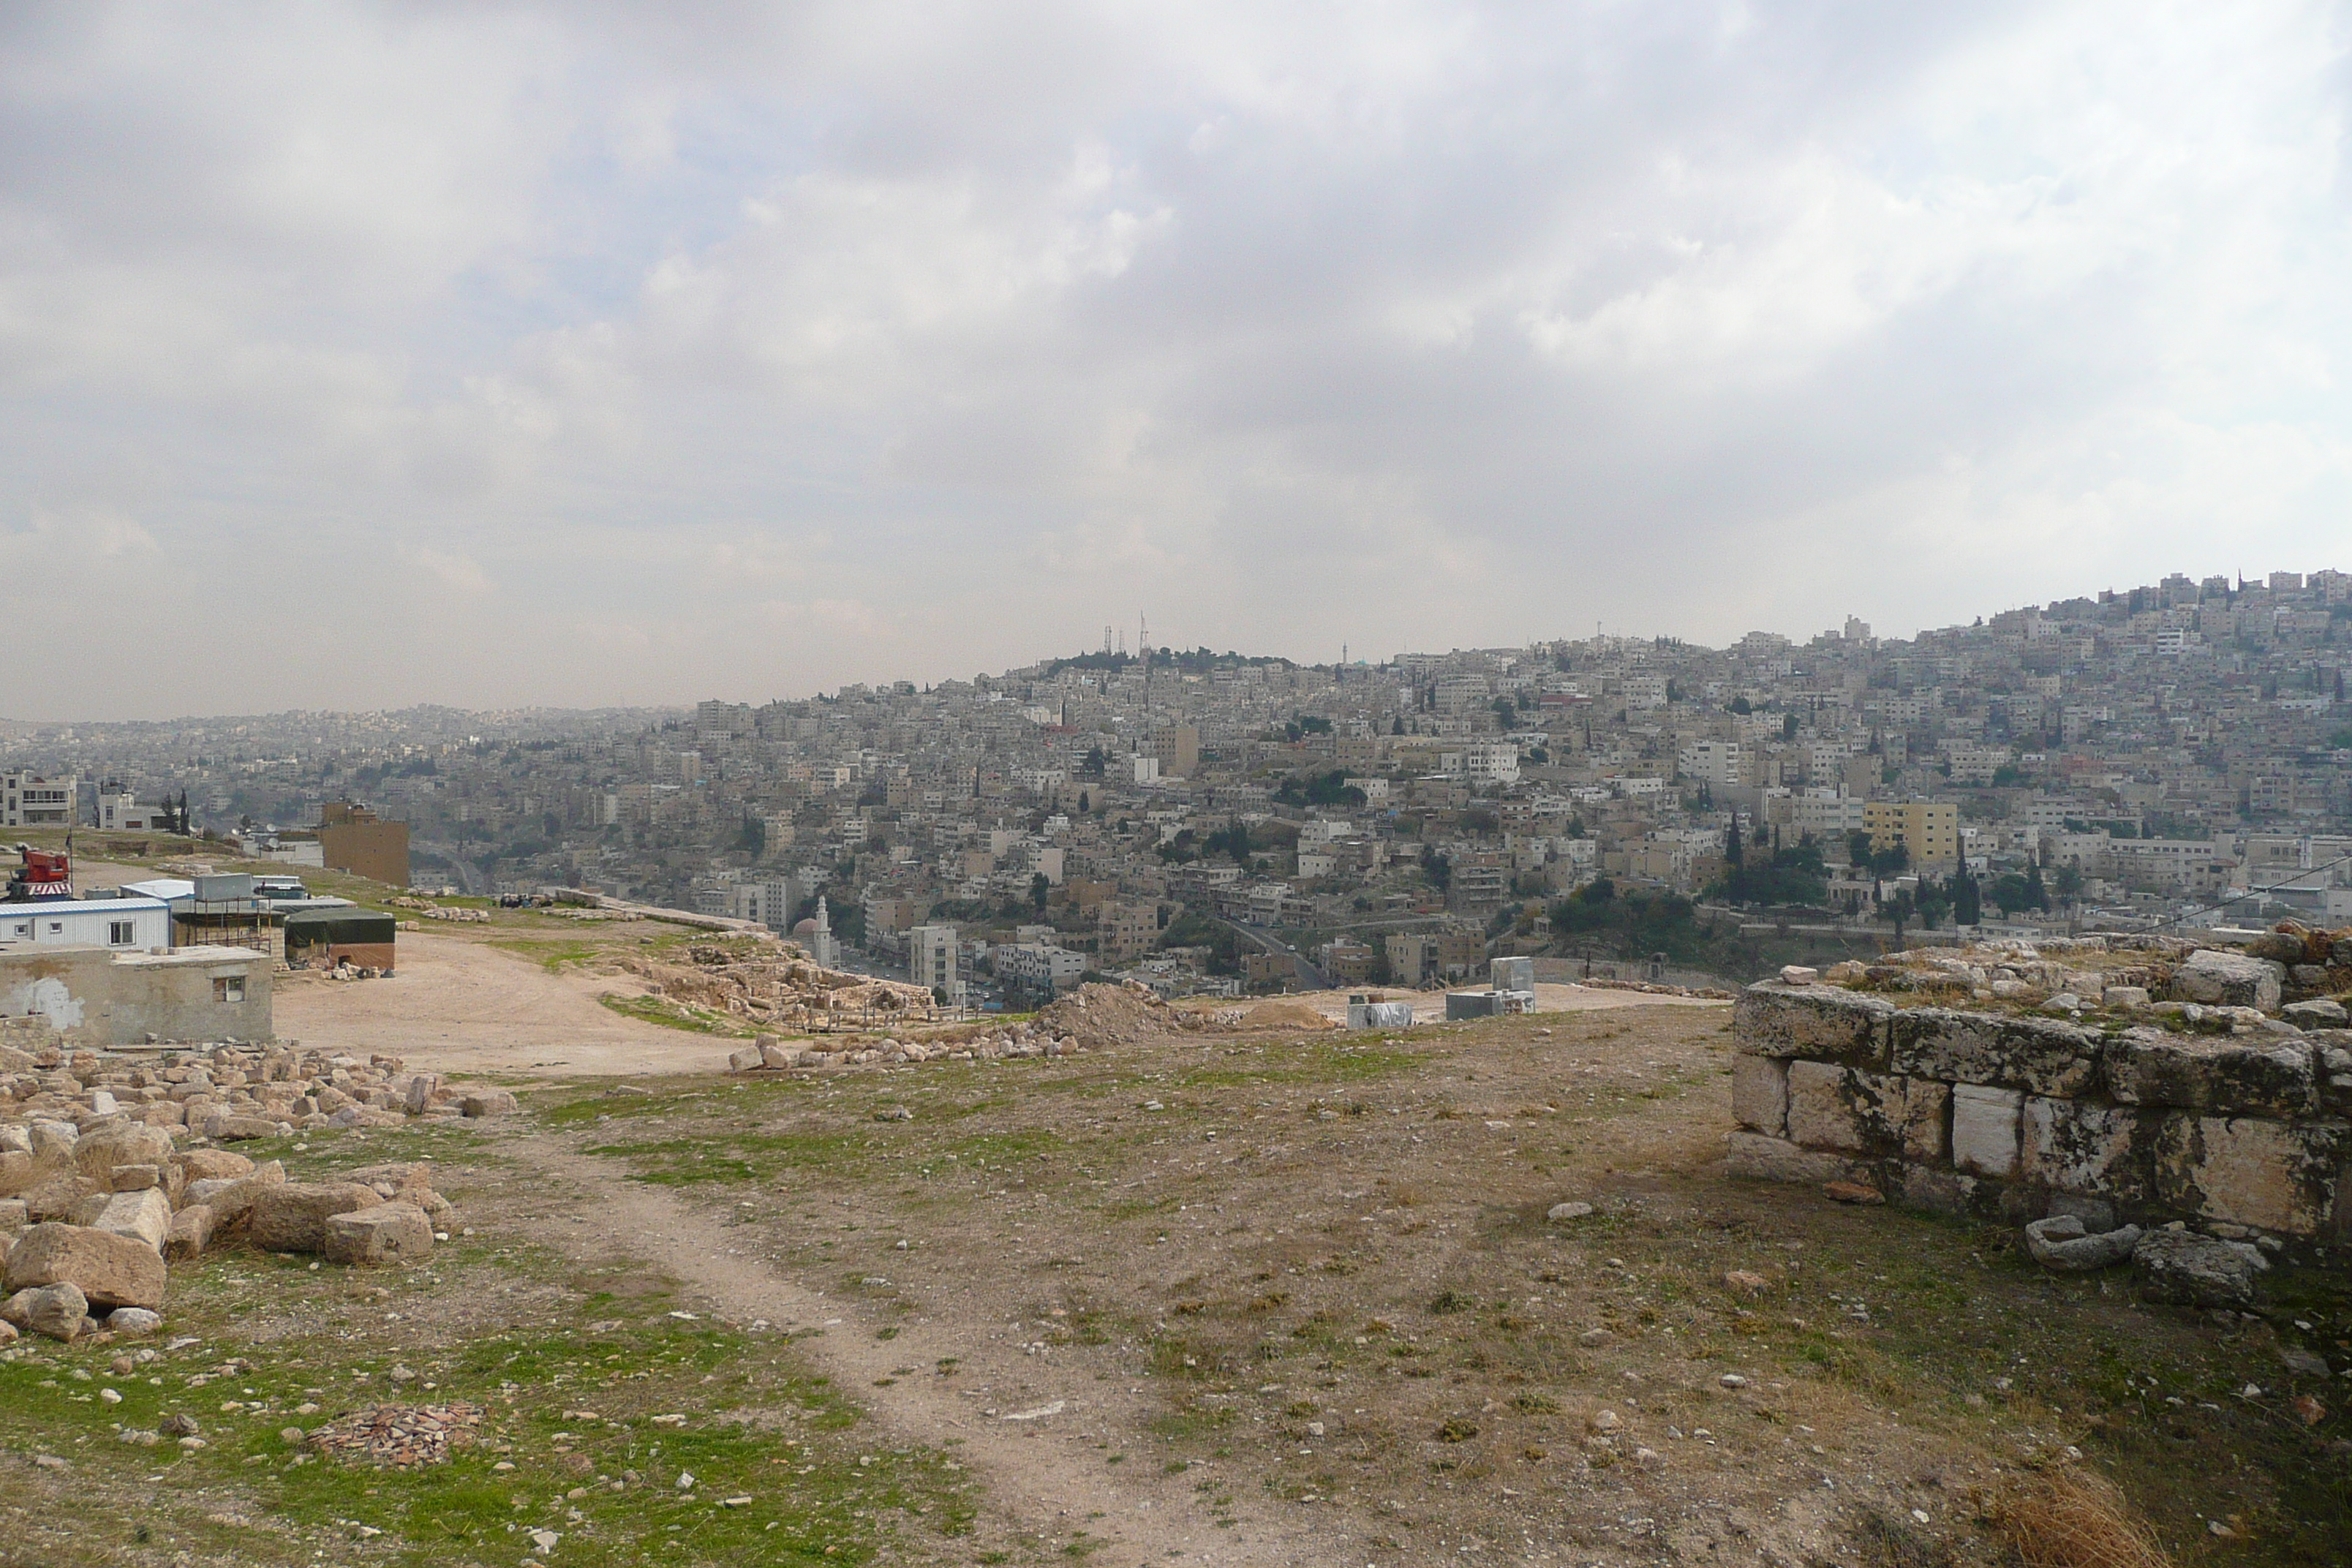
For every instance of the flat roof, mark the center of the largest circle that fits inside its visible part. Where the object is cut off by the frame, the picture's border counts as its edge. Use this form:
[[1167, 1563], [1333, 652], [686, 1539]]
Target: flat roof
[[82, 906]]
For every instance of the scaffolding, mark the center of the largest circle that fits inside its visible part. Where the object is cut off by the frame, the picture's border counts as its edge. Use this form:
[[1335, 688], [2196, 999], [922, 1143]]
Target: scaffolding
[[228, 923]]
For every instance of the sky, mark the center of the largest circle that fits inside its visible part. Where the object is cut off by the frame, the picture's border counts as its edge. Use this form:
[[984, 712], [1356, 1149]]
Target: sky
[[360, 355]]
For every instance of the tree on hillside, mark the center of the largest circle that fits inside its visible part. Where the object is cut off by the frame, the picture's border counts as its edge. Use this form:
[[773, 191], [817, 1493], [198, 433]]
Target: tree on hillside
[[1968, 900]]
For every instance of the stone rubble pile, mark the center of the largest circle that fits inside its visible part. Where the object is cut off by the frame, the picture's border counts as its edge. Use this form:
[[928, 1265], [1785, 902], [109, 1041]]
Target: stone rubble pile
[[226, 1093], [1094, 1016], [102, 1211], [430, 911], [2200, 1093], [110, 1169], [769, 1054]]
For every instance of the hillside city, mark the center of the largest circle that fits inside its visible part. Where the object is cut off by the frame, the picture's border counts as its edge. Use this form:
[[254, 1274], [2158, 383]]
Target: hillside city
[[1219, 823]]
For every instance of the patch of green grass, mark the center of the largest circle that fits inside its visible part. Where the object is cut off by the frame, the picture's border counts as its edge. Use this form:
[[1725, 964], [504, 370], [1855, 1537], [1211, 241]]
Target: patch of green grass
[[758, 1427], [552, 956], [1315, 1062]]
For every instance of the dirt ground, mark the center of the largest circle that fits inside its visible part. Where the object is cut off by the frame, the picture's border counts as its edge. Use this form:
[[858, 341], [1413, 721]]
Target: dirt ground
[[458, 1004], [1216, 1299], [1300, 1301]]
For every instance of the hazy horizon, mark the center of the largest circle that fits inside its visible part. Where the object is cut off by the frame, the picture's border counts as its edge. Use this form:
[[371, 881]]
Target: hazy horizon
[[358, 357]]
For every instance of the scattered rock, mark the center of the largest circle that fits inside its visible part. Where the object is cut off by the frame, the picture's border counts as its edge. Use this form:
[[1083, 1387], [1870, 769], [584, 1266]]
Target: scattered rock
[[401, 1435], [59, 1311], [1560, 1213], [1853, 1193], [1746, 1283], [133, 1322]]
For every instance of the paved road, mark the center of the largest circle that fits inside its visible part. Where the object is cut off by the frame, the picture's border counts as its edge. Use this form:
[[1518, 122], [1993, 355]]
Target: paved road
[[470, 880], [1309, 977]]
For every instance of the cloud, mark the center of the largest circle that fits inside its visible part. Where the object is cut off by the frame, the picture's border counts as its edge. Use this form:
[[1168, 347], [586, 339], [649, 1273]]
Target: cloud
[[458, 573], [794, 345]]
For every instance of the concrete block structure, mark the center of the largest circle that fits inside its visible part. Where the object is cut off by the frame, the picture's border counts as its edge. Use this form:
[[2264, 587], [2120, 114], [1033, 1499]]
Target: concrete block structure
[[95, 996], [1915, 1077]]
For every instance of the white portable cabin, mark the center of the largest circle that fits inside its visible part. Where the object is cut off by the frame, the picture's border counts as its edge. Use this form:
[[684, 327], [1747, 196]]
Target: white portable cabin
[[126, 924]]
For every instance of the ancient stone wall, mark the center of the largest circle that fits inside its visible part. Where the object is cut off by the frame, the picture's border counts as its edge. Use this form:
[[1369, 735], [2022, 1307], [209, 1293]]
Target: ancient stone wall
[[2055, 1083]]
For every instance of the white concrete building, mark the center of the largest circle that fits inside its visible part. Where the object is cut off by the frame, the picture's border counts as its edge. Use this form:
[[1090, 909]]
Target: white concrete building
[[28, 800], [934, 955], [1038, 966]]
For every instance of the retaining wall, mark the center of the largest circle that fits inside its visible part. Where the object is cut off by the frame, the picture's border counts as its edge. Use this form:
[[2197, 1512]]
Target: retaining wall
[[2219, 1116]]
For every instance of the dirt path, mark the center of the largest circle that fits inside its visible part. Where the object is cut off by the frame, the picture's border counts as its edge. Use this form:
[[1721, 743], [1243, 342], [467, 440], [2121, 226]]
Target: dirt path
[[1036, 1432], [460, 1005]]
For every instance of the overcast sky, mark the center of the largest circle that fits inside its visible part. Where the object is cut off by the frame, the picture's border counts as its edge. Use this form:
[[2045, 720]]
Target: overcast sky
[[362, 355]]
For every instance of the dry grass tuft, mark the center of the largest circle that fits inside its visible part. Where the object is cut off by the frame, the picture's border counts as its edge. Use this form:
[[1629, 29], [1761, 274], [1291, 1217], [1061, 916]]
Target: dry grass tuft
[[2067, 1519]]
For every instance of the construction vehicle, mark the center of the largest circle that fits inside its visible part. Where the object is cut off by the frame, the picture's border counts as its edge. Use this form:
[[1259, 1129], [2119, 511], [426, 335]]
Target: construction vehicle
[[44, 874]]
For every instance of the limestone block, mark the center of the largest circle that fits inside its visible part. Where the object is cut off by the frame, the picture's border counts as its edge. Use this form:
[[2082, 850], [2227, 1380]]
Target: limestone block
[[2187, 1269], [1923, 1131], [1985, 1129], [378, 1234], [12, 1217], [2334, 1050], [292, 1216], [2278, 946], [409, 1181], [213, 1165], [1759, 1095], [1818, 1021], [2122, 996], [773, 1055], [2320, 1013], [111, 1271], [2274, 1175], [232, 1201], [1753, 1156], [421, 1092], [2039, 1055], [2079, 1146], [99, 1151], [2226, 1073], [1927, 1187], [230, 1127], [146, 1215], [58, 1195], [1823, 1109], [53, 1144], [1865, 1114], [191, 1233], [490, 1102], [2230, 980], [16, 1173]]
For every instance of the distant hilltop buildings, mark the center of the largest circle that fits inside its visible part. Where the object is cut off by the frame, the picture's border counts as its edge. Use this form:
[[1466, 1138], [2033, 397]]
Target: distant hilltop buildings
[[1213, 821]]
